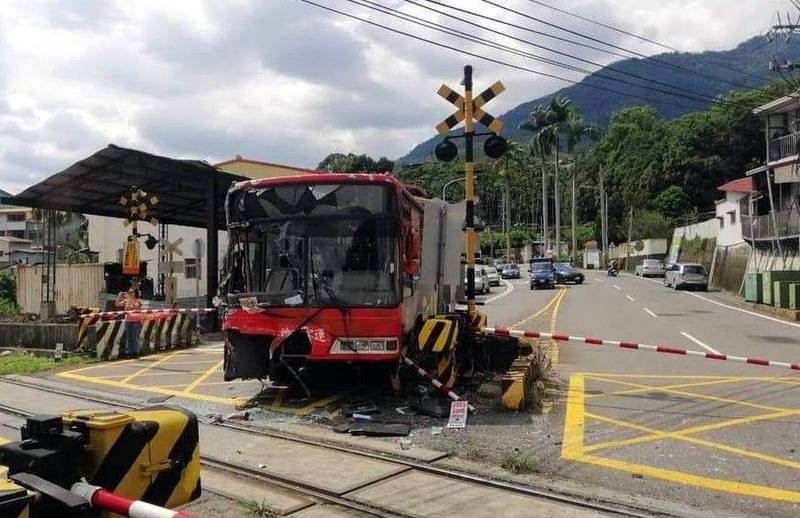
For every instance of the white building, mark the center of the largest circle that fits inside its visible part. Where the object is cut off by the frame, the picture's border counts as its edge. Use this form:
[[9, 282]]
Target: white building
[[729, 210]]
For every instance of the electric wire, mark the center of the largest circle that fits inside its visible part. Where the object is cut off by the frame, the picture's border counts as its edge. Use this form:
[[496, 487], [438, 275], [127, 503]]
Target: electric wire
[[633, 35], [705, 97], [652, 59], [490, 59]]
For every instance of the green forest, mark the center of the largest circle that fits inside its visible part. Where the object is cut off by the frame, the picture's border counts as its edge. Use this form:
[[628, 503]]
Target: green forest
[[667, 171]]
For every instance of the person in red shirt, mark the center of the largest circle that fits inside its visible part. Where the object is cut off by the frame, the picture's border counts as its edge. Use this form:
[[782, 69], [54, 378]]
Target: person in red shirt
[[129, 301]]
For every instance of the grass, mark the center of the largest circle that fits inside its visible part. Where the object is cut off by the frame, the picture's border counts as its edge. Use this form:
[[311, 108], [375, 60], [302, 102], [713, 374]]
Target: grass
[[475, 455], [519, 465], [28, 364], [262, 509]]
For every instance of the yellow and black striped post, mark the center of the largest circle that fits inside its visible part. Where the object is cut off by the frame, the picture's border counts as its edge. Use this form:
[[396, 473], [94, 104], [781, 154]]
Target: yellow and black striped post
[[469, 188]]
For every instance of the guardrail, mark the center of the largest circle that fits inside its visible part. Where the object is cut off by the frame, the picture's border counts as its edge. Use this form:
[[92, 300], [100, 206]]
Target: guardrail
[[786, 224], [784, 147]]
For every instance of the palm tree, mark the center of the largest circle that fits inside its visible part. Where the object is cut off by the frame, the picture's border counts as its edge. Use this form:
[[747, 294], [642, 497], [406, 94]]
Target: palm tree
[[547, 123], [576, 129]]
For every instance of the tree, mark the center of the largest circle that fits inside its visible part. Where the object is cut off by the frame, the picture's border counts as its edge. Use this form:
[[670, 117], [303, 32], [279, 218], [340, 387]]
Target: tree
[[672, 202], [351, 163]]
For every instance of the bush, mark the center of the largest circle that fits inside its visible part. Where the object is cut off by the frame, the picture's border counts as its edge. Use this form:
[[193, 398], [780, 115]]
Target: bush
[[8, 286]]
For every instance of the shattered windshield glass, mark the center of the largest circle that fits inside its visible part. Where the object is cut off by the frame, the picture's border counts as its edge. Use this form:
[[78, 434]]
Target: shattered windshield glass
[[318, 245]]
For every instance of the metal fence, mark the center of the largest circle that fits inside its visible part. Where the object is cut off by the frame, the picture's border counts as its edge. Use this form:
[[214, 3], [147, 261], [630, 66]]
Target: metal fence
[[76, 285], [783, 147], [786, 224]]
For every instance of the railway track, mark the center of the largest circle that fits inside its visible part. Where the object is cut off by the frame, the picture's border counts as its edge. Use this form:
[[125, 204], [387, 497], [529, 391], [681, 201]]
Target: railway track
[[347, 499]]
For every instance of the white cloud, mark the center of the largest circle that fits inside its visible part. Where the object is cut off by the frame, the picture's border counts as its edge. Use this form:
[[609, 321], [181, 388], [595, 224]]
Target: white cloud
[[280, 80]]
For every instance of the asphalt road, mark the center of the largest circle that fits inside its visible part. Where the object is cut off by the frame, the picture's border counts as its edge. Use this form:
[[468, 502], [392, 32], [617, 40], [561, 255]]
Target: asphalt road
[[708, 433]]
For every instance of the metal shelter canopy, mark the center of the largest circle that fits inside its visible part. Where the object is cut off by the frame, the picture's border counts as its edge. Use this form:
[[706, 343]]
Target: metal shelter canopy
[[190, 193]]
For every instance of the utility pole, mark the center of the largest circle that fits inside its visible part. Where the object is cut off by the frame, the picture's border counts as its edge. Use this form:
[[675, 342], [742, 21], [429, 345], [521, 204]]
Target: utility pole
[[508, 220], [469, 187], [545, 230], [603, 223], [558, 205], [574, 217], [630, 238]]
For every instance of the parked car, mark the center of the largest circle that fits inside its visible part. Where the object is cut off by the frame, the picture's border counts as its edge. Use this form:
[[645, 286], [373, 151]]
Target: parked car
[[649, 268], [542, 274], [493, 275], [481, 280], [565, 273], [686, 275], [510, 271]]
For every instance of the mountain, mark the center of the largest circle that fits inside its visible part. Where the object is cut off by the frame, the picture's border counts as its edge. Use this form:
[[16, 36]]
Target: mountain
[[742, 68]]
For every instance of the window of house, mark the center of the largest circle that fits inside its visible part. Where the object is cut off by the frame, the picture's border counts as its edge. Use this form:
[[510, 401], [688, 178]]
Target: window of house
[[733, 216], [191, 268], [721, 221], [16, 216]]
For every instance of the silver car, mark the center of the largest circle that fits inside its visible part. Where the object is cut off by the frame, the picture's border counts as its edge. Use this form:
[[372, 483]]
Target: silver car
[[686, 275], [493, 275], [481, 280], [649, 267]]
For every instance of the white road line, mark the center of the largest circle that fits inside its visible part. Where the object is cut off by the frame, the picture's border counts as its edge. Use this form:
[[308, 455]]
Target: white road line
[[631, 298], [701, 344], [616, 286], [500, 295], [753, 313], [647, 310]]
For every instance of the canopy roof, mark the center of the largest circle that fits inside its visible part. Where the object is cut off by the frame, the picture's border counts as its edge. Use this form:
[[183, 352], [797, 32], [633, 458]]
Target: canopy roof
[[95, 184]]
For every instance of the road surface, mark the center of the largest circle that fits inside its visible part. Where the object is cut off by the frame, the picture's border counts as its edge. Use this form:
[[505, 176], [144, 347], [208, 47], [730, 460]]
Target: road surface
[[704, 432]]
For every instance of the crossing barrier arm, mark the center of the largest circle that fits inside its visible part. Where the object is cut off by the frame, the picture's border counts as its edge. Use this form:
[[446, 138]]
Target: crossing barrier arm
[[502, 331]]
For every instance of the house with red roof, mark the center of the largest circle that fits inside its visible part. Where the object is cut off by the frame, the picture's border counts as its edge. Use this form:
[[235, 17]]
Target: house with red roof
[[730, 209]]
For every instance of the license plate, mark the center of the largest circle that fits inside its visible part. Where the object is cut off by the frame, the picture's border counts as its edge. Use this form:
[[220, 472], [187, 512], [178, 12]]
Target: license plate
[[248, 302]]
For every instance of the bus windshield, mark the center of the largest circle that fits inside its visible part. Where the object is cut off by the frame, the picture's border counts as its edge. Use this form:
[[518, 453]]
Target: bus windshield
[[314, 245]]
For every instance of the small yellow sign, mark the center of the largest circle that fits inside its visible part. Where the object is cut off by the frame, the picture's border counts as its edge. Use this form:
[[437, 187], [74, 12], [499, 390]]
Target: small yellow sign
[[130, 264]]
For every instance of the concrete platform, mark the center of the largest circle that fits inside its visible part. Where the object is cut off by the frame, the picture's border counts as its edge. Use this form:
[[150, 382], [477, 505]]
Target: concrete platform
[[239, 488], [423, 494], [328, 511], [322, 468]]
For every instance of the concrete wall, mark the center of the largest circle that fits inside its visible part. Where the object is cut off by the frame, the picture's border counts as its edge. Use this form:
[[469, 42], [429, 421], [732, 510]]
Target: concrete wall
[[704, 230], [38, 336], [730, 266]]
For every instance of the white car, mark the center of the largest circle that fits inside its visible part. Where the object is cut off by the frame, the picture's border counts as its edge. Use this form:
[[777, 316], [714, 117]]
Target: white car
[[686, 275], [649, 268], [481, 280], [493, 275]]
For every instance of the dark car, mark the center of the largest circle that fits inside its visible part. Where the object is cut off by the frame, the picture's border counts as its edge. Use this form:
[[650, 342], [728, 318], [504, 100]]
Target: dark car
[[510, 271], [542, 274], [566, 273]]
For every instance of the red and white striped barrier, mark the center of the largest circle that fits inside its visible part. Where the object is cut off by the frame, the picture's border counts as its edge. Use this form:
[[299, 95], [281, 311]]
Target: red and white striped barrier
[[170, 311], [502, 331], [436, 383], [99, 498]]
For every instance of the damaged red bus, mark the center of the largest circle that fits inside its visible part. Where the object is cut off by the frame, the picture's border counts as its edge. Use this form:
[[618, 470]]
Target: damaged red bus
[[332, 268]]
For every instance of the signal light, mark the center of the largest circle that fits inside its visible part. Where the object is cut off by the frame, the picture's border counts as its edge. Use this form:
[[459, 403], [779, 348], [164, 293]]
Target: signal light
[[446, 150], [495, 146], [150, 242]]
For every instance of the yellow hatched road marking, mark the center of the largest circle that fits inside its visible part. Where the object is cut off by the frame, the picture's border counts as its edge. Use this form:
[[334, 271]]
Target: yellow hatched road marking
[[692, 394], [540, 311], [147, 368], [657, 435], [664, 387], [573, 447], [155, 390], [200, 379]]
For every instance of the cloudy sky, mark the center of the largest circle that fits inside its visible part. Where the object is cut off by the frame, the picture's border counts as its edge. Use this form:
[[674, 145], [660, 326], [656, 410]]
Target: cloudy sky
[[280, 80]]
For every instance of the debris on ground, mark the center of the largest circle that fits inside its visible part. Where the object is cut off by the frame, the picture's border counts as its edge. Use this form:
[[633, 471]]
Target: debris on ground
[[380, 429], [361, 417], [432, 406], [436, 430], [362, 406], [239, 416]]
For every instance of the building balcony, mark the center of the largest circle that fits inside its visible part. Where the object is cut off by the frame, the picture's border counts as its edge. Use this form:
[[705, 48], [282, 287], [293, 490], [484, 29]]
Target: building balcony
[[783, 147], [762, 228]]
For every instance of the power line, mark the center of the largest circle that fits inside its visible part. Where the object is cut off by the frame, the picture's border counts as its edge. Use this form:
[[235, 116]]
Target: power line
[[633, 35], [484, 58], [704, 97], [596, 40], [477, 39]]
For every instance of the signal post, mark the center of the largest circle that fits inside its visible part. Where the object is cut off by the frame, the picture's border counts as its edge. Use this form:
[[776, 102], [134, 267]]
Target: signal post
[[469, 110]]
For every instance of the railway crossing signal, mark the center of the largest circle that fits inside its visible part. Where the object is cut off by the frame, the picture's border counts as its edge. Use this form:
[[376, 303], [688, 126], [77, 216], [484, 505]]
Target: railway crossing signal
[[469, 110], [138, 204]]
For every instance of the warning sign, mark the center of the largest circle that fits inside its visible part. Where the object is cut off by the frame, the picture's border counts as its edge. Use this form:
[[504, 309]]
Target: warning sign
[[130, 264], [458, 414]]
